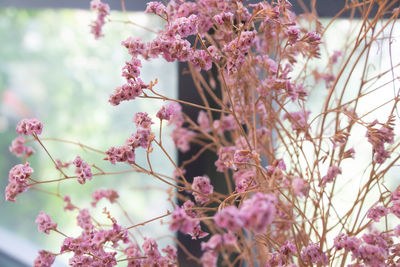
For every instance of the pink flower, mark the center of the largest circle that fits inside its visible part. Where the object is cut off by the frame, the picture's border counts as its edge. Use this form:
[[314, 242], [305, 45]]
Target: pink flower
[[243, 179], [313, 254], [229, 218], [378, 138], [202, 185], [120, 154], [156, 8], [135, 46], [185, 26], [44, 259], [349, 243], [103, 10], [19, 149], [376, 213], [181, 221], [203, 121], [293, 35], [142, 138], [298, 120], [225, 158], [44, 223], [171, 112], [142, 120], [69, 205], [131, 69], [224, 18], [84, 220], [82, 170], [18, 181], [300, 187], [258, 212], [128, 91], [226, 123], [209, 258], [212, 243], [182, 138], [333, 171], [201, 60], [29, 127], [110, 194]]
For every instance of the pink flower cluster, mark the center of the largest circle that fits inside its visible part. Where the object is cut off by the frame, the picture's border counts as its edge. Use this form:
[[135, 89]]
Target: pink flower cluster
[[313, 254], [180, 135], [29, 127], [151, 255], [373, 249], [282, 258], [109, 194], [142, 120], [84, 220], [19, 149], [298, 120], [103, 10], [333, 171], [82, 170], [376, 213], [243, 179], [255, 214], [236, 50], [44, 223], [183, 220], [120, 154], [395, 198], [202, 188], [216, 243], [128, 91], [378, 138], [141, 138], [44, 259], [69, 205], [18, 181]]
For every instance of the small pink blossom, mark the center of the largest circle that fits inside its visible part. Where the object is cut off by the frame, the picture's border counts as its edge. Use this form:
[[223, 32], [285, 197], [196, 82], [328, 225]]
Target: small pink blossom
[[333, 172], [29, 127], [103, 10], [69, 205], [44, 259], [313, 254], [120, 154], [19, 149], [82, 170], [84, 220], [142, 120], [258, 212], [44, 223], [376, 213], [182, 138], [203, 121], [18, 181], [129, 91], [202, 185], [298, 120], [109, 194], [142, 138], [229, 219], [156, 8]]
